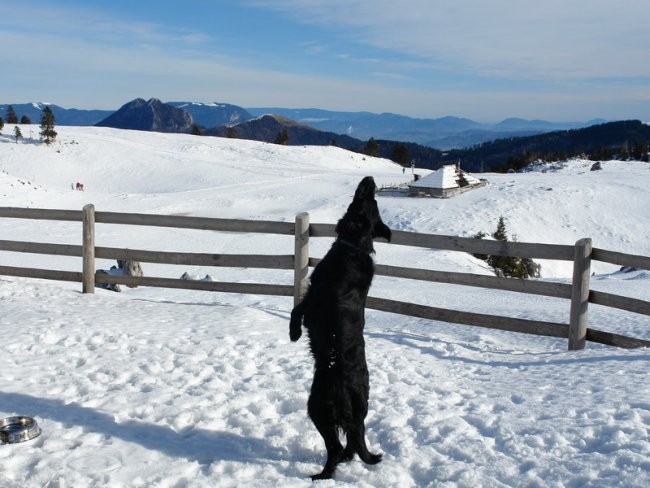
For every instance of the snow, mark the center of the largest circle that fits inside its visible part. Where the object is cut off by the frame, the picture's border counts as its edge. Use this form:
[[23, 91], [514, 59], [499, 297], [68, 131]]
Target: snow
[[445, 178], [170, 388]]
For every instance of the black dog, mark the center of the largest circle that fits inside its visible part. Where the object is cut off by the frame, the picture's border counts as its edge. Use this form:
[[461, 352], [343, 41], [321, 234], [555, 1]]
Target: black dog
[[333, 311]]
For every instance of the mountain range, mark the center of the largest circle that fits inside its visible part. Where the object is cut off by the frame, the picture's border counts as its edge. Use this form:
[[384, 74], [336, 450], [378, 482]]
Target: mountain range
[[512, 144], [441, 133]]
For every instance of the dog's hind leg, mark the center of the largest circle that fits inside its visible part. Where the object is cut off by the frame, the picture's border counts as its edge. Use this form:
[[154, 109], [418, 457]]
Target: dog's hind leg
[[323, 416], [334, 449], [355, 430]]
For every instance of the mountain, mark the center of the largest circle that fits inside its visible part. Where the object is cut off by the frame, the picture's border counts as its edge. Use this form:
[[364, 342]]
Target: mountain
[[364, 125], [214, 114], [151, 115], [610, 140], [442, 133], [267, 128], [601, 141], [62, 116]]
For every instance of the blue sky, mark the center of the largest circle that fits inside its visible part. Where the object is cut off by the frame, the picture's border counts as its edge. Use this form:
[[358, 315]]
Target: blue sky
[[557, 60]]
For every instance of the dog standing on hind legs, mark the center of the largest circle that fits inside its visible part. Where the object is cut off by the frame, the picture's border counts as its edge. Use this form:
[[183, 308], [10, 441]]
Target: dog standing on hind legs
[[332, 311]]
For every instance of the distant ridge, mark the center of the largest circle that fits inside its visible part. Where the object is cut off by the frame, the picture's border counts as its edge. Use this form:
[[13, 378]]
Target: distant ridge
[[214, 114], [612, 140], [442, 133], [266, 128], [150, 115], [63, 116]]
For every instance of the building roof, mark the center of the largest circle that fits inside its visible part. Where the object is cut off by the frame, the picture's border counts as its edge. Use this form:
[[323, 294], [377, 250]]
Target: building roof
[[449, 176]]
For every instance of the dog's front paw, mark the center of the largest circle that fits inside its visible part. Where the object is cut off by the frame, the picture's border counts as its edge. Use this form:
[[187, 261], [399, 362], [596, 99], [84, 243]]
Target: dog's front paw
[[295, 333]]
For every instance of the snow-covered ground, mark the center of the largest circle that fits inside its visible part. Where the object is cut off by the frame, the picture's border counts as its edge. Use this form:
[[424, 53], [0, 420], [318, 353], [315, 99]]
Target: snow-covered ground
[[171, 388]]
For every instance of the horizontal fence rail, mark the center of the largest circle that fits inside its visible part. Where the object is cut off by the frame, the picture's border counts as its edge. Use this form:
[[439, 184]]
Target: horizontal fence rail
[[198, 223], [466, 244], [577, 292], [620, 258], [198, 259]]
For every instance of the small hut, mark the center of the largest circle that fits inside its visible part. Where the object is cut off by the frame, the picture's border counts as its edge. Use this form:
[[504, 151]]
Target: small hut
[[445, 182]]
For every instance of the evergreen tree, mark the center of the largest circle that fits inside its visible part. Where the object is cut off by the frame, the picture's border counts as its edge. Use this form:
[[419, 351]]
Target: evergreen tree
[[283, 138], [2, 124], [400, 154], [25, 120], [47, 126], [509, 266], [230, 133], [17, 133], [11, 115], [372, 148], [501, 234], [500, 263], [196, 130]]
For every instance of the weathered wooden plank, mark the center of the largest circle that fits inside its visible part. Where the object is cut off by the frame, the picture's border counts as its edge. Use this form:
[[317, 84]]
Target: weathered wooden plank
[[580, 295], [200, 223], [301, 261], [617, 340], [88, 249], [198, 259], [616, 301], [45, 274], [219, 286], [557, 290], [465, 244], [469, 318], [621, 259], [41, 248], [322, 230], [40, 214]]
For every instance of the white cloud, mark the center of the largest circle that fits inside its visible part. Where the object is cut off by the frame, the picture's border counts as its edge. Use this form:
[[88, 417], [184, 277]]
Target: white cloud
[[98, 61], [553, 39]]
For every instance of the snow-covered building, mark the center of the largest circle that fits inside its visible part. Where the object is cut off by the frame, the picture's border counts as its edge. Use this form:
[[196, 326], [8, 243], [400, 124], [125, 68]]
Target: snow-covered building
[[445, 182]]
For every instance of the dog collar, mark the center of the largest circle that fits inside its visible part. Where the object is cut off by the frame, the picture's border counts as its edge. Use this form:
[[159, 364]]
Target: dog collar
[[353, 246]]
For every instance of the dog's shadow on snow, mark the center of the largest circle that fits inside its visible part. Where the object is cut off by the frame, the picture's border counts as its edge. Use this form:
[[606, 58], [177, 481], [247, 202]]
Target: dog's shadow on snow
[[202, 446]]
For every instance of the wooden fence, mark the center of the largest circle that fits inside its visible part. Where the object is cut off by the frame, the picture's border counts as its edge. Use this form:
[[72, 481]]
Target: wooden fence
[[578, 292]]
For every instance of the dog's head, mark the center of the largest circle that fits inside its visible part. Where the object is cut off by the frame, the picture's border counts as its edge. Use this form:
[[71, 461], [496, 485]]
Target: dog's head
[[362, 222]]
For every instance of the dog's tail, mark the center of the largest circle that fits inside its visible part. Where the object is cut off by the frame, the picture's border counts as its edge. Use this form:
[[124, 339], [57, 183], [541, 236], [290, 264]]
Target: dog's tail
[[357, 443], [295, 324]]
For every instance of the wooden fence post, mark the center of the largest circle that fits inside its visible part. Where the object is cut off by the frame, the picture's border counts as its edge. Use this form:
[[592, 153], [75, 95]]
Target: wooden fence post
[[580, 295], [301, 257], [88, 249]]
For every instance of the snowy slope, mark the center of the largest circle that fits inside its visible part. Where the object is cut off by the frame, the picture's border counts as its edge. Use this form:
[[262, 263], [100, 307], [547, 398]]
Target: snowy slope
[[171, 388]]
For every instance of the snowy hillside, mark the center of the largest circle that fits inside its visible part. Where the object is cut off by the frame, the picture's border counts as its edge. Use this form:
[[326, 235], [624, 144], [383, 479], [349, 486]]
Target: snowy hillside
[[171, 388]]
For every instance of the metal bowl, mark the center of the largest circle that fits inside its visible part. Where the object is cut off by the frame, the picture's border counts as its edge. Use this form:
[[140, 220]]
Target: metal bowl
[[18, 429]]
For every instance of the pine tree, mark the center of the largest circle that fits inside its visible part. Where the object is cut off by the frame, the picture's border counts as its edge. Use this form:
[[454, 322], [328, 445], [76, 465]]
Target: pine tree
[[283, 138], [47, 126], [400, 154], [501, 234], [17, 133], [11, 115], [196, 130], [25, 120], [2, 124], [372, 148], [500, 263]]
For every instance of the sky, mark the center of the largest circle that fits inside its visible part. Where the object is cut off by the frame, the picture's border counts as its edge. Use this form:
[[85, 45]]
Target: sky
[[552, 60]]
